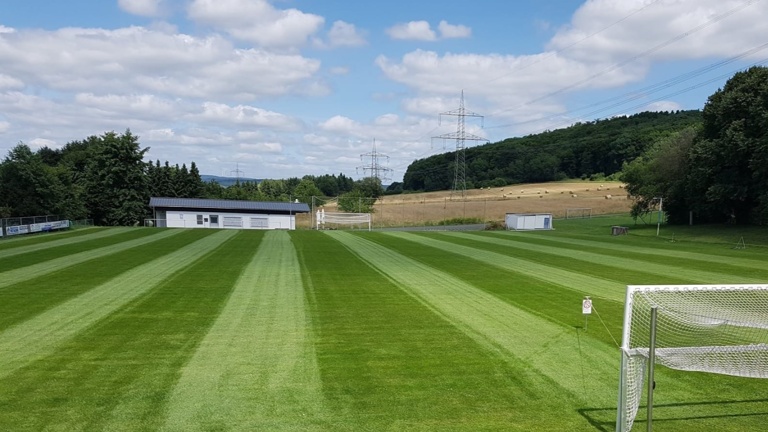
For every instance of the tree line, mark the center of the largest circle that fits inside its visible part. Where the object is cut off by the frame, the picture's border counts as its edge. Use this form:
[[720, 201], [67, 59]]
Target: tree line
[[593, 149], [105, 178], [716, 171]]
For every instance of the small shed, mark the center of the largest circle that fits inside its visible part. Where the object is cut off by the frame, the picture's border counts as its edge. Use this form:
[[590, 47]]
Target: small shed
[[529, 221], [232, 214]]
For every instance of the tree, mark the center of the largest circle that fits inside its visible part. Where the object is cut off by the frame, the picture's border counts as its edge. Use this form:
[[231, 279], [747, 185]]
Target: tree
[[370, 187], [305, 190], [356, 202], [661, 173], [28, 187], [729, 163], [117, 184]]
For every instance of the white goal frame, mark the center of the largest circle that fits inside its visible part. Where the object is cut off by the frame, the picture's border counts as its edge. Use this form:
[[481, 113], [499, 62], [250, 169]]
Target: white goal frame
[[708, 311], [338, 218]]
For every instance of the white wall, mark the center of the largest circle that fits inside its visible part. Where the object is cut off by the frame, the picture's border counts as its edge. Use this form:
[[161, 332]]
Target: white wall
[[517, 221], [189, 219]]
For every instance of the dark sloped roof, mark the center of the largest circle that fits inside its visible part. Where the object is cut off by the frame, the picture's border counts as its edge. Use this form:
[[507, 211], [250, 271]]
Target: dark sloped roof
[[216, 204]]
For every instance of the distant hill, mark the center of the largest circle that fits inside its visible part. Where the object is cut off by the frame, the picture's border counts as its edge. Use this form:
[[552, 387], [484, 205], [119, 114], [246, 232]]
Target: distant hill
[[585, 150], [227, 181]]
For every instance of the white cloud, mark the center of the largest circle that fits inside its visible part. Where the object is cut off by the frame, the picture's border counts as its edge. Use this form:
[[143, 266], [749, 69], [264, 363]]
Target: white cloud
[[246, 116], [263, 147], [413, 30], [257, 21], [453, 31], [339, 123], [136, 59], [345, 34], [661, 30], [10, 83], [422, 31], [663, 106], [339, 70], [147, 8]]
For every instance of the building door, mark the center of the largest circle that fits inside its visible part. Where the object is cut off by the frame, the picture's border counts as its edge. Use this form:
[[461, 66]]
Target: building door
[[214, 221]]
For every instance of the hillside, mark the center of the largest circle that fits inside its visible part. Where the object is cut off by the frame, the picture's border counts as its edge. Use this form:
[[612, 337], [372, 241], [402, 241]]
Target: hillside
[[584, 150]]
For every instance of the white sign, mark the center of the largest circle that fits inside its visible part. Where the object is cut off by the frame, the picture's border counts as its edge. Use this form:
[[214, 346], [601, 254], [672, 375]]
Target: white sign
[[586, 306]]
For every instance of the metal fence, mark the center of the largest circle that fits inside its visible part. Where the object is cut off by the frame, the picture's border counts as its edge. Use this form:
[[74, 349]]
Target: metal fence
[[31, 224]]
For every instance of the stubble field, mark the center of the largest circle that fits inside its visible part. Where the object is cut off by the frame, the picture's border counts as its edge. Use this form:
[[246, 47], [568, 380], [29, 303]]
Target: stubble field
[[179, 330]]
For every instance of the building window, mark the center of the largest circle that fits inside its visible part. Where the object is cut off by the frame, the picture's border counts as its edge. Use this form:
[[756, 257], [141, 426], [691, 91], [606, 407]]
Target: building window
[[199, 219]]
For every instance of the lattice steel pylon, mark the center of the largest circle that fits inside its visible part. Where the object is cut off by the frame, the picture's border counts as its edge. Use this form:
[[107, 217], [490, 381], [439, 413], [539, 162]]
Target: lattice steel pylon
[[376, 169], [461, 136]]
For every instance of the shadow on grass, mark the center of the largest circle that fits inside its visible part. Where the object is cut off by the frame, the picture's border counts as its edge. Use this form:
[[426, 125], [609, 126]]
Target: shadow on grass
[[604, 419]]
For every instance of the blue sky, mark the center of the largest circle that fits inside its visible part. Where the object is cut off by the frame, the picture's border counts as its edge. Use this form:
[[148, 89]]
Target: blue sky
[[284, 88]]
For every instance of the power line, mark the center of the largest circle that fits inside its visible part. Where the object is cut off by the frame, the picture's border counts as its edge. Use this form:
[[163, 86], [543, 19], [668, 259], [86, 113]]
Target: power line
[[713, 20], [651, 89]]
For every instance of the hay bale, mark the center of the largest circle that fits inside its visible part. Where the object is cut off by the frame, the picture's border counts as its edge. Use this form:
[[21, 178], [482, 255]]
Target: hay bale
[[546, 191], [573, 195], [541, 196], [608, 196]]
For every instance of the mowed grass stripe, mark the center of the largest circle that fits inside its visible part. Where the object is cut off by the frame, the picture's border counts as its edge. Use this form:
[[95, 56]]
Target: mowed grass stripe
[[634, 249], [51, 242], [598, 287], [556, 303], [388, 363], [25, 239], [256, 368], [36, 270], [40, 336], [48, 254], [24, 300], [582, 254], [116, 375], [495, 324]]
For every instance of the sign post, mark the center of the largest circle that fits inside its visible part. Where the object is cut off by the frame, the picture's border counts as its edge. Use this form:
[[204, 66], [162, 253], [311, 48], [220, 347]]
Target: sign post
[[586, 310]]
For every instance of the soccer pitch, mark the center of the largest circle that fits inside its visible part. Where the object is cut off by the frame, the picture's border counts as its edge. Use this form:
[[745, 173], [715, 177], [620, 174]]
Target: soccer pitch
[[183, 330]]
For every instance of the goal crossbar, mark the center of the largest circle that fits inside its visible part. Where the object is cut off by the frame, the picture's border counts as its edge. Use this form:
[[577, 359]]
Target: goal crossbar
[[339, 218], [720, 329]]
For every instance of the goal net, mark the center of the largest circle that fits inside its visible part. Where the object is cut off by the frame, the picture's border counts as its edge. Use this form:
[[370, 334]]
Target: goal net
[[719, 329], [326, 220], [578, 213]]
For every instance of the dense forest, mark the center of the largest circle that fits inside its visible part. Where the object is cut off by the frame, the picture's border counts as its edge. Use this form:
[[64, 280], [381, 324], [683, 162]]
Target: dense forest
[[105, 178], [714, 173], [584, 150]]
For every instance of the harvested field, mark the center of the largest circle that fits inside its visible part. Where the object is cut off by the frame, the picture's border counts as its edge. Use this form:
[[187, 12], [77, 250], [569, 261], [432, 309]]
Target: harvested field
[[491, 204]]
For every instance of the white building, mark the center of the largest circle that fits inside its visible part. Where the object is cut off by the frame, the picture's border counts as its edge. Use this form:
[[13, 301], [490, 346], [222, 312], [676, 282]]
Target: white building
[[209, 213], [529, 221]]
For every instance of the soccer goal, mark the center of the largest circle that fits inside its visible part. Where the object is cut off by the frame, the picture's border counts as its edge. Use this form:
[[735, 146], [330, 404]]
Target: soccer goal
[[326, 220], [578, 213], [720, 329]]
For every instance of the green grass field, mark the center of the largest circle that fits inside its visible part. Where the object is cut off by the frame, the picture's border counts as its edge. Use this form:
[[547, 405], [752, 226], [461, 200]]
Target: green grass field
[[184, 330]]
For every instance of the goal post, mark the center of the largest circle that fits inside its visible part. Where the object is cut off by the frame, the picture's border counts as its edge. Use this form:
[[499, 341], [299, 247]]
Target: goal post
[[327, 219], [720, 329], [578, 213]]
